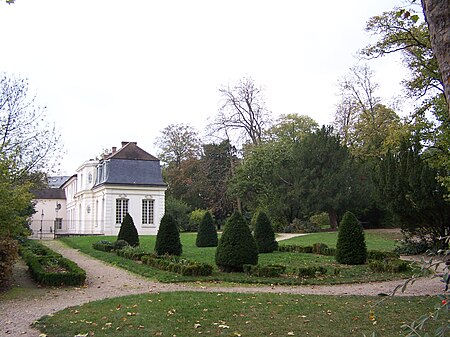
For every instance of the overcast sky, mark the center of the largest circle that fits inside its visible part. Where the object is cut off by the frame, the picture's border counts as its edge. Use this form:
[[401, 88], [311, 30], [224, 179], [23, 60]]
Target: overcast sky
[[111, 71]]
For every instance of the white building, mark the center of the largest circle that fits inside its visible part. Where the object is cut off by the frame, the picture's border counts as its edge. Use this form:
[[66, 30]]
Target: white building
[[102, 192]]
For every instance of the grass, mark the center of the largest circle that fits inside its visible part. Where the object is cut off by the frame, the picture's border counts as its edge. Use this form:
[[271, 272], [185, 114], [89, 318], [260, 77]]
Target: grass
[[345, 274], [204, 314]]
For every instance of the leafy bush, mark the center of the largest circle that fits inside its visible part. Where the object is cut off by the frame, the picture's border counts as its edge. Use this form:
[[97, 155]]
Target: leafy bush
[[195, 219], [236, 246], [295, 249], [319, 248], [120, 244], [410, 246], [271, 270], [311, 271], [207, 234], [132, 253], [8, 255], [128, 231], [351, 245], [103, 245], [380, 255], [179, 210], [321, 220], [264, 234], [168, 238], [178, 265], [389, 265]]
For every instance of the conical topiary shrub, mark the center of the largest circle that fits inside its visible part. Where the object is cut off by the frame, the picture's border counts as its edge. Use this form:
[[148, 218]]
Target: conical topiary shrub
[[207, 234], [128, 231], [264, 234], [168, 237], [351, 245], [236, 246]]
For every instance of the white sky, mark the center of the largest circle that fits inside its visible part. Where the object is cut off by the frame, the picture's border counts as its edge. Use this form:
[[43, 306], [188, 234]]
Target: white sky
[[111, 70]]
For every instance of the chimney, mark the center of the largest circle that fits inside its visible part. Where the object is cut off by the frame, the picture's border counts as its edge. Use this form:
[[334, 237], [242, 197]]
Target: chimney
[[124, 143], [114, 149]]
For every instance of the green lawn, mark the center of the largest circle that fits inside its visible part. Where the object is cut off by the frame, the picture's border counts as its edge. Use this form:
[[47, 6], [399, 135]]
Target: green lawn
[[345, 274], [187, 314]]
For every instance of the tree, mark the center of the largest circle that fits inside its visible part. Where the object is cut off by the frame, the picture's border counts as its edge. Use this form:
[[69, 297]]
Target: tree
[[351, 245], [264, 234], [207, 234], [437, 15], [291, 128], [178, 142], [236, 246], [243, 110], [178, 210], [410, 190], [168, 238], [25, 136], [128, 231]]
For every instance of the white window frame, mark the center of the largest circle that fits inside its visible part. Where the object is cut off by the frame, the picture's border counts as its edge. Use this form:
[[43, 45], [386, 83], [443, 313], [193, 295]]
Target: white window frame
[[122, 206], [148, 212]]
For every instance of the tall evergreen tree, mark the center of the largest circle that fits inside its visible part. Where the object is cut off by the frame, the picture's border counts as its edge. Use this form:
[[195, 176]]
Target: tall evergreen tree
[[236, 246], [128, 231], [168, 238], [351, 245], [264, 234], [207, 234]]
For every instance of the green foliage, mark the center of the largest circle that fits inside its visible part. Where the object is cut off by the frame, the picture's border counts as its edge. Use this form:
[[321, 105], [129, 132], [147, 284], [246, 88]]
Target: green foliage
[[119, 244], [132, 253], [50, 268], [321, 220], [264, 271], [411, 192], [351, 245], [178, 210], [207, 234], [8, 255], [195, 219], [168, 238], [178, 265], [236, 246], [103, 245], [128, 231], [264, 234], [389, 265], [311, 271], [295, 249]]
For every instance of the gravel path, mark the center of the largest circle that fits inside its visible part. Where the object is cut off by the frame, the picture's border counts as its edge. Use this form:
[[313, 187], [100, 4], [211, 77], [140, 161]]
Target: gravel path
[[105, 281]]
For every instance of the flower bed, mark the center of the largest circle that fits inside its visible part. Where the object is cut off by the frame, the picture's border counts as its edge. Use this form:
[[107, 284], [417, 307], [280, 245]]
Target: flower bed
[[50, 268]]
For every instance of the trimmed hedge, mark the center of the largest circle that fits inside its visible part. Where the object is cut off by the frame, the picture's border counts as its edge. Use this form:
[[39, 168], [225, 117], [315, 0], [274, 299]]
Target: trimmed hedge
[[264, 234], [207, 233], [132, 253], [295, 249], [311, 271], [178, 265], [50, 268], [351, 246], [272, 270], [389, 265], [168, 237]]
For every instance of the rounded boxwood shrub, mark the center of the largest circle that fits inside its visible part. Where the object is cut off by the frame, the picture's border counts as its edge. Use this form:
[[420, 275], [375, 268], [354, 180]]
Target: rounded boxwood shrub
[[168, 237], [207, 234], [351, 245], [236, 246], [264, 234], [128, 231]]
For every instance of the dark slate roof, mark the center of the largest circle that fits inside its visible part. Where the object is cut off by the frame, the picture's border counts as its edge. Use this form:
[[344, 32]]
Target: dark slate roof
[[133, 172], [57, 181], [131, 151], [49, 193]]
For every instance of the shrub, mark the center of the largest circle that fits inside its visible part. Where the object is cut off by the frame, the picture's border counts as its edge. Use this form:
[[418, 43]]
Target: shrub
[[132, 253], [207, 234], [311, 271], [179, 210], [389, 265], [195, 220], [128, 231], [380, 255], [168, 238], [413, 246], [319, 248], [295, 249], [120, 244], [350, 246], [8, 255], [321, 220], [264, 234], [103, 245], [236, 246], [177, 265], [272, 270]]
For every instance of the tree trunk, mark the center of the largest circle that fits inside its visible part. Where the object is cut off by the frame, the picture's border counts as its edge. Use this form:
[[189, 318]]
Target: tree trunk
[[437, 15], [332, 215]]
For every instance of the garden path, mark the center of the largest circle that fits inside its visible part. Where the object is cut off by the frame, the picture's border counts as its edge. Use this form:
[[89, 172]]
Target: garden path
[[105, 281]]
